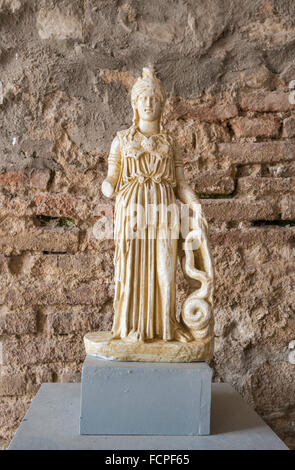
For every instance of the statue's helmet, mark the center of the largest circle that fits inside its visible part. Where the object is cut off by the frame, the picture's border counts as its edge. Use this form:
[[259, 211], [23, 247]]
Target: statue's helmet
[[147, 82]]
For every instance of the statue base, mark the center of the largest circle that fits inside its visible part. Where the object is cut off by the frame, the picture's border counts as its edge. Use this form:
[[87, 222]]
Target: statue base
[[145, 398], [102, 345]]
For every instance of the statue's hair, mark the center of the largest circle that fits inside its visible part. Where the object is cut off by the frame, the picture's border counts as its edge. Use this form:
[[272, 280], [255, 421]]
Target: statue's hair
[[148, 81]]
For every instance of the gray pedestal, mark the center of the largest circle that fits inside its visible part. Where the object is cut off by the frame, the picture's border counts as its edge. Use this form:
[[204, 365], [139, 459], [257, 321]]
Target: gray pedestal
[[145, 398], [52, 423]]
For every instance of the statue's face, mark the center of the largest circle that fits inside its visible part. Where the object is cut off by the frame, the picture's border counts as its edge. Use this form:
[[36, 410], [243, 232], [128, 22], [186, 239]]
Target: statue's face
[[149, 106]]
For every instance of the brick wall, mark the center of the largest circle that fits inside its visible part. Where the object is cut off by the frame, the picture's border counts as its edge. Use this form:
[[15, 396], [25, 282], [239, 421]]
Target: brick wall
[[65, 84], [240, 158]]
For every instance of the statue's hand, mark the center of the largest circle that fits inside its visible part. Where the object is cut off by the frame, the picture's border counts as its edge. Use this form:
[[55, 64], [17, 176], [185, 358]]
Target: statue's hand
[[107, 188]]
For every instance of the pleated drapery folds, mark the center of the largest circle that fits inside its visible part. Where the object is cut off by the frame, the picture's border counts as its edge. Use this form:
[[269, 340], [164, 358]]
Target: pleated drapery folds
[[146, 237]]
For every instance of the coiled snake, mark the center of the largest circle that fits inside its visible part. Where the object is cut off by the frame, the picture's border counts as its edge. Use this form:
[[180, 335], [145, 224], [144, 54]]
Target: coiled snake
[[197, 308]]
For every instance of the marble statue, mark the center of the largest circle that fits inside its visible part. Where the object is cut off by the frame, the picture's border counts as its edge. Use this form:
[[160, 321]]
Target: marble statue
[[145, 171]]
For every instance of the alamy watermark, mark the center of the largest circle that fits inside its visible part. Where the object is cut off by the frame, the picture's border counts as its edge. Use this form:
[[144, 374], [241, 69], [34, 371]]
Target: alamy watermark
[[145, 221]]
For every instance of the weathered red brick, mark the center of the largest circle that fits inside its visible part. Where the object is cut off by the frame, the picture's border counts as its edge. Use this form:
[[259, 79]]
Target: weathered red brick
[[256, 127], [62, 205], [258, 77], [66, 268], [269, 377], [264, 101], [39, 294], [51, 293], [81, 182], [18, 322], [12, 180], [12, 411], [288, 208], [78, 319], [284, 170], [4, 443], [36, 376], [218, 112], [257, 186], [258, 152], [36, 350], [289, 127], [4, 265], [254, 169], [92, 293], [69, 322], [39, 179], [18, 206], [282, 424], [89, 242], [17, 381], [253, 236], [40, 239], [239, 210], [83, 263], [288, 74], [13, 384], [217, 182], [19, 180]]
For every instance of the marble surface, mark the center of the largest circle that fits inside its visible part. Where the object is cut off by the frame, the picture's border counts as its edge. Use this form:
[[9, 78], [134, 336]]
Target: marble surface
[[101, 345], [146, 173]]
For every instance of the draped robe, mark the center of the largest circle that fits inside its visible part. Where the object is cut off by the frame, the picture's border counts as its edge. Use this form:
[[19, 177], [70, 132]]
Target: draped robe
[[146, 235]]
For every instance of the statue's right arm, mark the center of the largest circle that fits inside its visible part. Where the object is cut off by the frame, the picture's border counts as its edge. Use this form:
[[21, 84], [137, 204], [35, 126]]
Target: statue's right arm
[[114, 166]]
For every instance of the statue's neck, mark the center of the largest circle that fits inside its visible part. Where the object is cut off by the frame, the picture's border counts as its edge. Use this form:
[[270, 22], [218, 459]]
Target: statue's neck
[[149, 127]]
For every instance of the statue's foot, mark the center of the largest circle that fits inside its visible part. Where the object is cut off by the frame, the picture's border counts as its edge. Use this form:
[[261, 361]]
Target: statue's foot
[[134, 337], [183, 335], [115, 336]]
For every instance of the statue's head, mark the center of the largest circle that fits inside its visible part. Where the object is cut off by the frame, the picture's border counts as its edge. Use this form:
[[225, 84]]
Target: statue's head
[[147, 97]]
